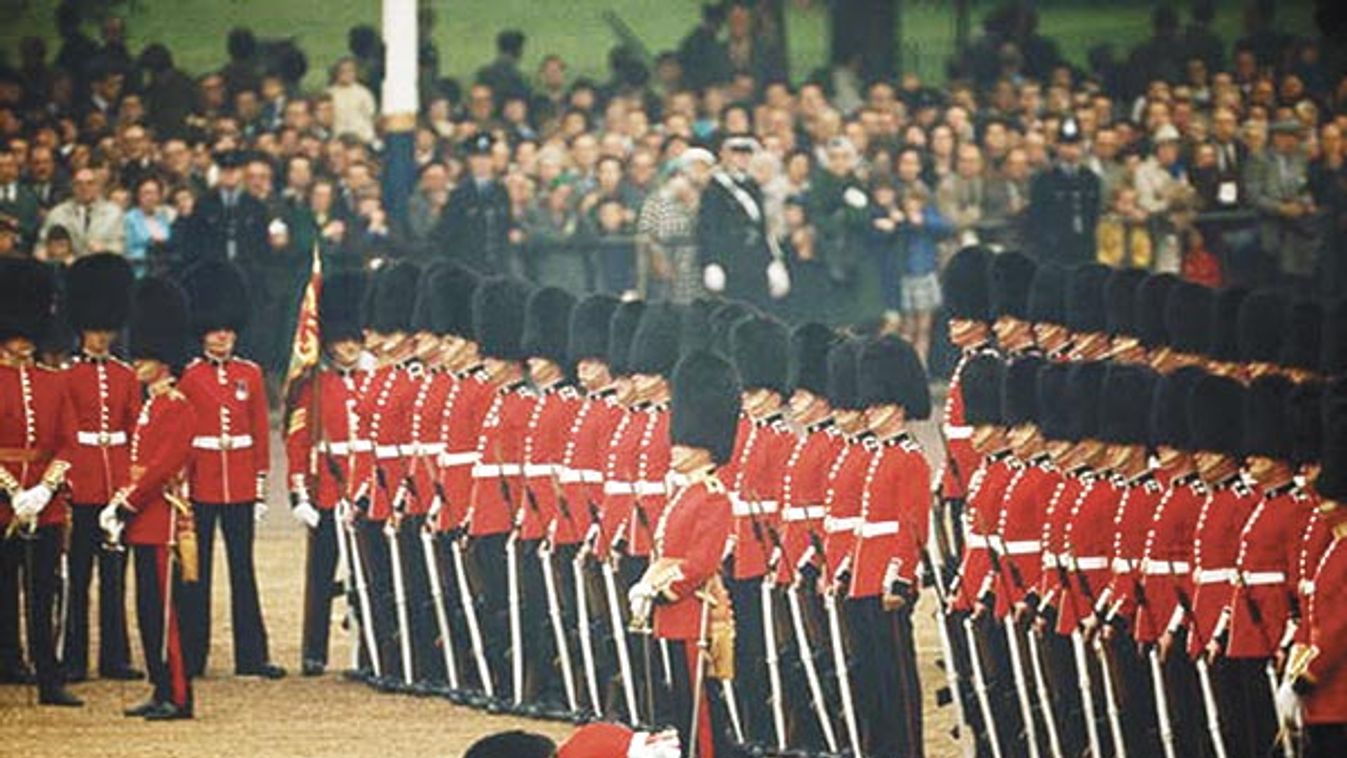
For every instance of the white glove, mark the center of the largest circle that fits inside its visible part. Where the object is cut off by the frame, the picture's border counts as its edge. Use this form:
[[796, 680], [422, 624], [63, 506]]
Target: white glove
[[111, 523], [778, 280], [663, 744], [304, 513], [30, 502], [641, 601], [1288, 704], [436, 505], [855, 197], [260, 510], [713, 277]]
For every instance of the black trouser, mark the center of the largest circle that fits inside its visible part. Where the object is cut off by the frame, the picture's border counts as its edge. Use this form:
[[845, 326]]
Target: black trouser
[[11, 572], [460, 640], [40, 555], [888, 695], [541, 680], [1325, 741], [630, 570], [1063, 680], [750, 656], [86, 542], [1136, 690], [427, 661], [1253, 719], [490, 588], [802, 724], [158, 589], [1184, 695], [320, 570], [383, 606], [245, 610], [994, 654]]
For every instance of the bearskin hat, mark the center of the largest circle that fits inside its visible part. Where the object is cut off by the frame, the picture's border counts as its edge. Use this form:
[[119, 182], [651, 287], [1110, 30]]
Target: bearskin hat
[[218, 293], [695, 332], [889, 371], [393, 301], [1085, 387], [98, 293], [547, 322], [1054, 415], [761, 350], [842, 374], [339, 300], [1169, 408], [1335, 339], [1188, 318], [809, 345], [1152, 296], [27, 298], [654, 347], [1019, 390], [980, 384], [1332, 481], [1012, 274], [723, 319], [1262, 326], [1216, 415], [498, 317], [1120, 300], [706, 404], [590, 320], [621, 329], [1126, 401], [423, 317], [1085, 299], [1225, 324], [159, 322], [452, 287], [1302, 347], [1304, 411], [966, 284], [1267, 425], [1047, 295]]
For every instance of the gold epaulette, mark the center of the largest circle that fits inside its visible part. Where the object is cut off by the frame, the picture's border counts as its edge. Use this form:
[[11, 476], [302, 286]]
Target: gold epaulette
[[299, 419]]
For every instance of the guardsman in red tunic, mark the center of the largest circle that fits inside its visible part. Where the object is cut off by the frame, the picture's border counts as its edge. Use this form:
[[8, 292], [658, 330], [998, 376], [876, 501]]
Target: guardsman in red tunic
[[1313, 693], [151, 513], [1306, 417], [550, 677], [325, 450], [892, 385], [803, 494], [498, 479], [760, 346], [228, 471], [1215, 414], [691, 609], [106, 400], [36, 431]]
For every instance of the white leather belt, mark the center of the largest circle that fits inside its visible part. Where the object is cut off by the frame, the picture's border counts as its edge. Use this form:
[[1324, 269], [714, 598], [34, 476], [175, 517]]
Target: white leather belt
[[676, 481], [573, 475], [1091, 563], [953, 432], [459, 459], [1256, 578], [1215, 576], [488, 470], [744, 508], [1165, 568], [1023, 547], [223, 442], [612, 487], [1123, 565], [804, 513], [540, 469], [346, 447], [101, 439], [836, 525], [977, 541], [647, 487], [878, 529], [386, 452], [428, 448]]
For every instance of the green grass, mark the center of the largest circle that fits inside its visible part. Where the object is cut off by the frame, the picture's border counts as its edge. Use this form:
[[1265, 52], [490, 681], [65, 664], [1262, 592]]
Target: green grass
[[195, 29]]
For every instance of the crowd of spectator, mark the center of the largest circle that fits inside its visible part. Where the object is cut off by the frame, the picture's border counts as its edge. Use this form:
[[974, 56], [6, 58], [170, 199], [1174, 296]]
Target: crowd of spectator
[[834, 198]]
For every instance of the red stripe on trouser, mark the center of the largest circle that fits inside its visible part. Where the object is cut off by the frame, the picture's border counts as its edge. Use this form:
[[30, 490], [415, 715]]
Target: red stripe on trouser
[[177, 671], [706, 747]]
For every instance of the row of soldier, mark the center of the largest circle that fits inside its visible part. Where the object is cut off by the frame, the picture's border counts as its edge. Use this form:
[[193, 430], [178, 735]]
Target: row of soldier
[[1141, 491]]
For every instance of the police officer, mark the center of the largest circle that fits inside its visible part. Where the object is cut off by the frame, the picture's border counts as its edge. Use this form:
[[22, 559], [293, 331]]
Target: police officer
[[1064, 203], [475, 228]]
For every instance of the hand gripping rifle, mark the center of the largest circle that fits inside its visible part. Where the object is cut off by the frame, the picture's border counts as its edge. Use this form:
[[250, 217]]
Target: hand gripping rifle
[[399, 580], [429, 555], [807, 654], [582, 614], [554, 604], [1204, 681], [355, 571]]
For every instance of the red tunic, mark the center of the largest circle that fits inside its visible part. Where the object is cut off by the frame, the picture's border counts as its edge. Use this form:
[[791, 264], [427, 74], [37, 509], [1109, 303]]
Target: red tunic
[[230, 445], [36, 429], [1215, 548], [583, 460], [619, 480], [105, 399], [544, 446], [890, 537], [160, 449], [1019, 532], [986, 491], [470, 398], [1167, 558], [1053, 584], [842, 501], [385, 415], [961, 460], [649, 490], [425, 438], [498, 476], [693, 530], [804, 492], [1327, 621], [1136, 507], [1089, 541], [1260, 604], [1314, 541], [313, 444], [756, 495]]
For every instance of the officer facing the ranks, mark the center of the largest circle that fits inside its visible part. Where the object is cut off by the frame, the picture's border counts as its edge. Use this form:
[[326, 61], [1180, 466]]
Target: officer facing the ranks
[[323, 442], [230, 460], [34, 452], [105, 399], [150, 513]]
